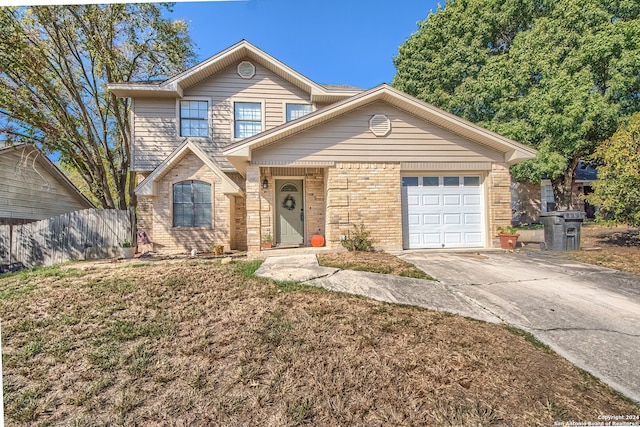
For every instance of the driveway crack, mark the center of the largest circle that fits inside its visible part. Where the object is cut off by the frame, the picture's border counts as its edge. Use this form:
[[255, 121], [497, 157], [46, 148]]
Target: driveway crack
[[474, 302], [566, 329], [501, 282], [323, 276]]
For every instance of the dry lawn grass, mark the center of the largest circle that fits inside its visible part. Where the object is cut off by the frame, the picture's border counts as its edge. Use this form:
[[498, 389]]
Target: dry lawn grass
[[375, 262], [199, 343], [619, 247]]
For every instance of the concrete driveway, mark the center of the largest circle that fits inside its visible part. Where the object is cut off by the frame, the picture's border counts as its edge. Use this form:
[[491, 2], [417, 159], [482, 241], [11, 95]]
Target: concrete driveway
[[589, 315]]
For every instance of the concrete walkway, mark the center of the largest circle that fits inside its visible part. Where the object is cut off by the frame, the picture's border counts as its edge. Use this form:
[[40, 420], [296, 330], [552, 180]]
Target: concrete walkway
[[381, 287], [589, 315]]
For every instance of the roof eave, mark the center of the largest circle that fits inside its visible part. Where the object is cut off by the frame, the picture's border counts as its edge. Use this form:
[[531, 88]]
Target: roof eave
[[133, 90], [148, 187]]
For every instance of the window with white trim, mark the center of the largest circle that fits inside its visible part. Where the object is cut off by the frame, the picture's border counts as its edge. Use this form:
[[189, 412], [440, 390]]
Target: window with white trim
[[295, 111], [191, 204], [247, 117], [194, 118]]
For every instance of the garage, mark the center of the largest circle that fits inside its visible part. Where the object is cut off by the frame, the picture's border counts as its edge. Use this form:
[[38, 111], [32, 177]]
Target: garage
[[442, 211]]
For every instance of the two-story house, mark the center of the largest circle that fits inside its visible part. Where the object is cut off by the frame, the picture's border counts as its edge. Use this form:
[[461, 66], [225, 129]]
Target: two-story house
[[241, 147]]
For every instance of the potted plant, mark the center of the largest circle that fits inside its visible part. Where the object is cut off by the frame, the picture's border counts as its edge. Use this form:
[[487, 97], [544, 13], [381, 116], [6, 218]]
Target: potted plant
[[127, 250], [218, 249], [267, 241], [508, 237]]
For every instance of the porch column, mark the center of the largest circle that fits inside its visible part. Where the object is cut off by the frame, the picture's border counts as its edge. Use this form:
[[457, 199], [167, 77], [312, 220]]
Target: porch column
[[499, 200], [252, 192]]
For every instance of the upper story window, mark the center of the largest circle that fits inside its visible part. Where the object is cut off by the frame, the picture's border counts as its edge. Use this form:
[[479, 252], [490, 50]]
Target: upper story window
[[295, 111], [247, 118], [194, 118], [192, 204]]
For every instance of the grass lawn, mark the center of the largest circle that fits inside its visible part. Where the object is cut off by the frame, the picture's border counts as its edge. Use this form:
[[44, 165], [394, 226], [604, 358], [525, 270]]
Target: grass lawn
[[200, 343], [617, 247]]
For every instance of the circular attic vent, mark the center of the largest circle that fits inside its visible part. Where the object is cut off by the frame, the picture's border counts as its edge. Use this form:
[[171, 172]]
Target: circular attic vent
[[246, 70], [380, 125]]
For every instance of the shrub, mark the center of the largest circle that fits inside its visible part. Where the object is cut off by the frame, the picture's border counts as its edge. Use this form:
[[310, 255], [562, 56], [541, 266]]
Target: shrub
[[359, 240]]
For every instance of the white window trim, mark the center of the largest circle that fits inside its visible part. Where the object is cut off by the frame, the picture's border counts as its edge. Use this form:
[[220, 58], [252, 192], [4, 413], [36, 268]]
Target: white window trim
[[285, 103], [178, 117], [176, 180], [233, 115]]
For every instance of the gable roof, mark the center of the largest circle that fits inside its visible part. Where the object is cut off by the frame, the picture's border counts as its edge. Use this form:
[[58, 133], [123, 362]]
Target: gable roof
[[148, 186], [514, 152], [175, 86], [50, 167]]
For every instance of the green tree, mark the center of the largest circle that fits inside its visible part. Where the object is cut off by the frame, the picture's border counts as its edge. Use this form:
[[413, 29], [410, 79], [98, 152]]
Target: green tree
[[617, 190], [556, 75], [56, 63]]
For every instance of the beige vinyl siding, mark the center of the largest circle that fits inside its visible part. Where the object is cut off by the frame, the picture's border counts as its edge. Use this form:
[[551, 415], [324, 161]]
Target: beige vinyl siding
[[348, 138], [155, 134], [156, 131], [30, 191], [227, 86]]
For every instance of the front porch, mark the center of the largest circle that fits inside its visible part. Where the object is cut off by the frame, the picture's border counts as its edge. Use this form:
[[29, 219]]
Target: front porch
[[324, 201], [285, 205]]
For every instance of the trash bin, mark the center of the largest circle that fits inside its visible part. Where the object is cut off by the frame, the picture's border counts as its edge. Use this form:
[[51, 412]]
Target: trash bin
[[562, 230]]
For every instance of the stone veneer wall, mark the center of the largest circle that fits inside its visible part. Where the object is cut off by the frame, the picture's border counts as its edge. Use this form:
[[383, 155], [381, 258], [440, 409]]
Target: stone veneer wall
[[314, 204], [499, 187], [369, 194], [253, 190], [144, 209], [164, 236]]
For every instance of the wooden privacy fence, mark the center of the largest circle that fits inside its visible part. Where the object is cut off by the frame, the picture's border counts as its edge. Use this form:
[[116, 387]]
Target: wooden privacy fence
[[86, 234]]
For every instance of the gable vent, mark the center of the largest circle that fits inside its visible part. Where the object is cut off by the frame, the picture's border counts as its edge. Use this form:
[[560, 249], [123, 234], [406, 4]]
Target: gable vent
[[380, 125], [246, 70]]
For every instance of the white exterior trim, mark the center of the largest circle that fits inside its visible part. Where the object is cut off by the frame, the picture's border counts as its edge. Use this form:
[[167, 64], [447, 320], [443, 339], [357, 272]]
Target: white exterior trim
[[179, 117], [263, 115], [148, 186]]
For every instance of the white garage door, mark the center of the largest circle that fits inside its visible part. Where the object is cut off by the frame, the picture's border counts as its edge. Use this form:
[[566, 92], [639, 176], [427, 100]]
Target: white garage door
[[442, 211]]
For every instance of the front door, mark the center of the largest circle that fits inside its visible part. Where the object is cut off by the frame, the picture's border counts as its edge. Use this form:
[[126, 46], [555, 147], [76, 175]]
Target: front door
[[289, 212]]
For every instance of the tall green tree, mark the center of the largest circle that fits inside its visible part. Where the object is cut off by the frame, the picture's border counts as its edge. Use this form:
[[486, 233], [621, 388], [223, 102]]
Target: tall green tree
[[56, 62], [556, 75], [617, 190]]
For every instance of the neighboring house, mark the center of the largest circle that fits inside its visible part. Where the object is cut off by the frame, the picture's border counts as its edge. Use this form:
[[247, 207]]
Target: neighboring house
[[586, 173], [241, 147], [33, 188], [530, 199]]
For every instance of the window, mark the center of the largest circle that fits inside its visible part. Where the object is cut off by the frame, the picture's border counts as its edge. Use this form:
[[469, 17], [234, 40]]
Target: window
[[430, 181], [409, 181], [451, 181], [295, 111], [192, 204], [289, 188], [194, 118], [247, 118], [471, 181]]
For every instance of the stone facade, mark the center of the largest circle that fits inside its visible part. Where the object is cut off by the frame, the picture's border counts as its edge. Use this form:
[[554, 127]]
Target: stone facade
[[335, 198], [155, 214], [314, 204], [365, 193], [499, 189], [253, 195]]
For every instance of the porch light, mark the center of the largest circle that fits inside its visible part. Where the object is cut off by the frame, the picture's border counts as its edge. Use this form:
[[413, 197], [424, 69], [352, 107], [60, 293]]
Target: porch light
[[265, 183]]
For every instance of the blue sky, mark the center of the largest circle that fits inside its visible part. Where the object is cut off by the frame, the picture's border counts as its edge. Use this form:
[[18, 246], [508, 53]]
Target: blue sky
[[329, 41]]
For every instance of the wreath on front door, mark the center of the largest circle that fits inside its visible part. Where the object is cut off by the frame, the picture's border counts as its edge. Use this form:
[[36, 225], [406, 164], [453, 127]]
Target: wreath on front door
[[289, 203]]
